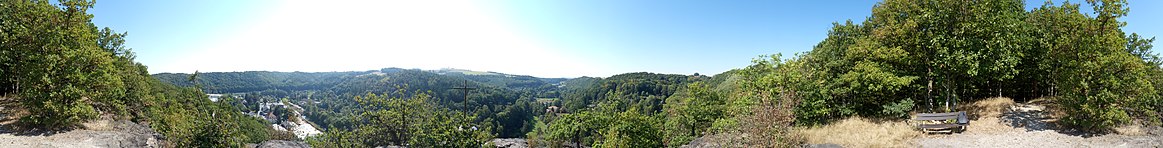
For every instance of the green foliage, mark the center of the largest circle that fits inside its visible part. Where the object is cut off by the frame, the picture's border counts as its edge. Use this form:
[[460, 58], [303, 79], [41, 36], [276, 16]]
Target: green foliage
[[54, 63], [909, 55], [508, 112], [65, 70], [899, 109], [576, 128], [603, 127], [928, 54], [187, 118], [632, 129], [1105, 80], [254, 81], [690, 113], [534, 138], [643, 90], [413, 121]]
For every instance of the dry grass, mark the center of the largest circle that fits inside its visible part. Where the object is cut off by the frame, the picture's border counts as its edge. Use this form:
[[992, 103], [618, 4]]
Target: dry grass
[[860, 132], [1052, 109], [1131, 130], [10, 110], [987, 115], [989, 107], [98, 125]]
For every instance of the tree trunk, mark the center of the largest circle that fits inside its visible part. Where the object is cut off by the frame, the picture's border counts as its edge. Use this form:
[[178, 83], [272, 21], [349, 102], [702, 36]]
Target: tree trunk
[[929, 87], [999, 86]]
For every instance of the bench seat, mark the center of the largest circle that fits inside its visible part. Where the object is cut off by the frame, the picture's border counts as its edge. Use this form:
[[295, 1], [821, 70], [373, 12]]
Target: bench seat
[[939, 126], [960, 121]]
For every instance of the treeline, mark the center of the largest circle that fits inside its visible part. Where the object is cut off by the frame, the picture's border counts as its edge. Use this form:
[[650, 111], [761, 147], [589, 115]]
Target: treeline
[[350, 107], [343, 110], [637, 110], [252, 81], [506, 112], [515, 82], [928, 56], [406, 121], [909, 56], [646, 91], [64, 70]]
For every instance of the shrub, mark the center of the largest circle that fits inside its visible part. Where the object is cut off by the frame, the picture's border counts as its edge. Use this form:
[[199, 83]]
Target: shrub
[[899, 109]]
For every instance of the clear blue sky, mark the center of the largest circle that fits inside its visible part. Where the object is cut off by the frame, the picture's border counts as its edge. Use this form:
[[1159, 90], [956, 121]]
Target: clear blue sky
[[562, 38]]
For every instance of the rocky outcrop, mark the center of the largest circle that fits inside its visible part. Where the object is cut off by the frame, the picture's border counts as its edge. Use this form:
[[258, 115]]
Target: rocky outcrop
[[510, 143], [96, 134], [283, 144]]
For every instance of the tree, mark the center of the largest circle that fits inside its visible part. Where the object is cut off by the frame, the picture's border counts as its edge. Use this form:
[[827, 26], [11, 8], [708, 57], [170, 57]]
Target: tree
[[57, 67], [412, 121], [931, 55], [65, 70], [1104, 81], [691, 112], [632, 129]]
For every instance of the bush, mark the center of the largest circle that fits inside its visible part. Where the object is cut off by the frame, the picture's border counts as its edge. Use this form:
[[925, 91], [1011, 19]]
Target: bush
[[1094, 117], [899, 109], [53, 59]]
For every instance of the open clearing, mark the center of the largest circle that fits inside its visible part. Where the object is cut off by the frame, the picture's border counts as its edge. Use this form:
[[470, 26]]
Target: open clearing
[[997, 122]]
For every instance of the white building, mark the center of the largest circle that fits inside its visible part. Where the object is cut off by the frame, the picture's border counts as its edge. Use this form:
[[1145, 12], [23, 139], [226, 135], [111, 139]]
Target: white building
[[214, 97]]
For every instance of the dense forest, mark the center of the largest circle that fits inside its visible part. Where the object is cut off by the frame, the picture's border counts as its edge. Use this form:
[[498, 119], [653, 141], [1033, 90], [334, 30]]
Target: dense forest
[[501, 105], [222, 82], [64, 70], [909, 56]]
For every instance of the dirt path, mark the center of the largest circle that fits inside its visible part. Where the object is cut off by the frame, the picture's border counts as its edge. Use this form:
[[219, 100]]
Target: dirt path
[[98, 134], [1024, 125], [1047, 138]]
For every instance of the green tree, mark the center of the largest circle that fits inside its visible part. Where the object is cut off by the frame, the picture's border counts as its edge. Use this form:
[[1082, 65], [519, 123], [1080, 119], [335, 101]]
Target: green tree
[[55, 63], [412, 121], [632, 129], [1103, 79], [691, 112]]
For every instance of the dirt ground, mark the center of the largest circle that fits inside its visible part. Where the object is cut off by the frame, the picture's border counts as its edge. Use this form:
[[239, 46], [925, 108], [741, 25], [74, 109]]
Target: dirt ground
[[96, 134], [1002, 123], [99, 133], [860, 132], [995, 122]]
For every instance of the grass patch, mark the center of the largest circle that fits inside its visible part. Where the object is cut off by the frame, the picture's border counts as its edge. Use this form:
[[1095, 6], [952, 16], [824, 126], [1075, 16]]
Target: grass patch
[[989, 107], [860, 132], [546, 100], [986, 115]]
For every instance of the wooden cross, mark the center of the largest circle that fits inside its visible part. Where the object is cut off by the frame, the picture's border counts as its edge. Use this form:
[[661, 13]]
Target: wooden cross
[[466, 89]]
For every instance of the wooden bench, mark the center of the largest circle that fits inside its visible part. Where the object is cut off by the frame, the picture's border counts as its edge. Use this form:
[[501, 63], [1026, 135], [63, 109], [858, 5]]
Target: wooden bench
[[938, 122]]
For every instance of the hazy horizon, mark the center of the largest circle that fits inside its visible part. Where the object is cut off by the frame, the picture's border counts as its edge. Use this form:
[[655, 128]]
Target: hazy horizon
[[537, 38], [447, 68]]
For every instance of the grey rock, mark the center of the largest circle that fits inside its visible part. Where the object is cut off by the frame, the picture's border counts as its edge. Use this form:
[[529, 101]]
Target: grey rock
[[283, 144]]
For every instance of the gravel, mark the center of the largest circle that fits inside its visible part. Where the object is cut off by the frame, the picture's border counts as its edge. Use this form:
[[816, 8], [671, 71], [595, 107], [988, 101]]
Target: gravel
[[1047, 138], [1029, 126], [510, 143], [120, 134], [283, 144]]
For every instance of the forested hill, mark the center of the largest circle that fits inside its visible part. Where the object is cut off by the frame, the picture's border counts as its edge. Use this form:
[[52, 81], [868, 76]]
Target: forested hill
[[234, 82], [250, 81], [909, 56], [500, 79], [59, 70], [506, 104], [643, 90]]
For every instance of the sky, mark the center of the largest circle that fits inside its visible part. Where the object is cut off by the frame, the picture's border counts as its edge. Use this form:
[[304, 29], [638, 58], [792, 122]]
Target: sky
[[558, 38]]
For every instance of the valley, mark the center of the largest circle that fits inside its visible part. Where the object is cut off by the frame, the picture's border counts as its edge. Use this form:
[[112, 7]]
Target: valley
[[608, 74]]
